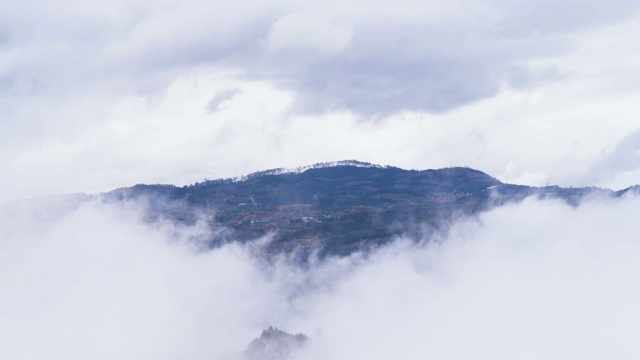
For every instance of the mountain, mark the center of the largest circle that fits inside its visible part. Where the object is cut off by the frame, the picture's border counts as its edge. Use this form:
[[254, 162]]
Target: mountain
[[336, 208], [275, 344]]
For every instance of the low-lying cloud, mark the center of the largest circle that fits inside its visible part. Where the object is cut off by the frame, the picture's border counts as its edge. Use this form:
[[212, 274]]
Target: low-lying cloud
[[539, 279]]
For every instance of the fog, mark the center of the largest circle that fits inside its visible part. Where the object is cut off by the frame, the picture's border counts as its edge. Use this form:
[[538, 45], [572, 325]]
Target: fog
[[535, 280]]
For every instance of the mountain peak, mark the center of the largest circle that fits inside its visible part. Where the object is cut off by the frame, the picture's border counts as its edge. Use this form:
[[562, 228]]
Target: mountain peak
[[275, 344], [301, 169]]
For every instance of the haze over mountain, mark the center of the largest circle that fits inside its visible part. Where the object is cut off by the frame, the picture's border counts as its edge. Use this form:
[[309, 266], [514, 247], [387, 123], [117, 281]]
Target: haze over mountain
[[337, 208]]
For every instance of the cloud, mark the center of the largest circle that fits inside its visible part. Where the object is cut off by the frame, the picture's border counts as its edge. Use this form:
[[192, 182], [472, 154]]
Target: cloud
[[96, 284], [376, 58], [527, 281], [417, 57], [619, 165], [530, 92], [220, 97], [533, 280], [306, 31]]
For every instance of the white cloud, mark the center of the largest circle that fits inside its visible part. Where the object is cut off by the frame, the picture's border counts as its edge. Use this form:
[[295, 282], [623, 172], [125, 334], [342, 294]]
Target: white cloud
[[534, 280], [307, 31]]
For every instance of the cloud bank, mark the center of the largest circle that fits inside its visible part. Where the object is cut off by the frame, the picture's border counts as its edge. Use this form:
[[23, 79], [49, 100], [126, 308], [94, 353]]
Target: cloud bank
[[373, 58], [532, 280], [117, 93]]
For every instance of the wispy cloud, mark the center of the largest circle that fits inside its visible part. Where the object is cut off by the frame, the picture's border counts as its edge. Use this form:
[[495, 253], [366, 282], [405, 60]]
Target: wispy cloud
[[220, 97]]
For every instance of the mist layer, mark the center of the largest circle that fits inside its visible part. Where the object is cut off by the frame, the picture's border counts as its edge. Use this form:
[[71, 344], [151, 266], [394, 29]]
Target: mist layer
[[539, 279]]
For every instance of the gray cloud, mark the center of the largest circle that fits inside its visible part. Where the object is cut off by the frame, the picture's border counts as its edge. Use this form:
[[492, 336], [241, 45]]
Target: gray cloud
[[87, 93], [220, 97], [391, 57]]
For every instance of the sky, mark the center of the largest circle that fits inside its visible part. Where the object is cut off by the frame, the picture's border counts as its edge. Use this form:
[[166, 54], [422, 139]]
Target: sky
[[106, 94]]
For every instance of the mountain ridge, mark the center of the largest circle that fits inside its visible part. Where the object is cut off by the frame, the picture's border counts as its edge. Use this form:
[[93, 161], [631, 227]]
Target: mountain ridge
[[340, 207]]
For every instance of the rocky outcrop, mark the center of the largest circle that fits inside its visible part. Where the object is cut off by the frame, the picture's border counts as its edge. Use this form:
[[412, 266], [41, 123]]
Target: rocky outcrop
[[275, 344]]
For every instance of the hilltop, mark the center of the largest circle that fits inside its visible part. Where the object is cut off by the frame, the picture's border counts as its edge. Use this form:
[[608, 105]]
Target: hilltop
[[336, 208]]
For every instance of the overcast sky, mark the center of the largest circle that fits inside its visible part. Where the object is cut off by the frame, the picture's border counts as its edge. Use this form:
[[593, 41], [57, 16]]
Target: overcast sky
[[104, 94]]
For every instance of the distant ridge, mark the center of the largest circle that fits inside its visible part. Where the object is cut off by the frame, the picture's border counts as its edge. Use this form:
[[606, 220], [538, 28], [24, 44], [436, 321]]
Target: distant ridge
[[331, 207], [300, 169], [320, 165], [335, 208]]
